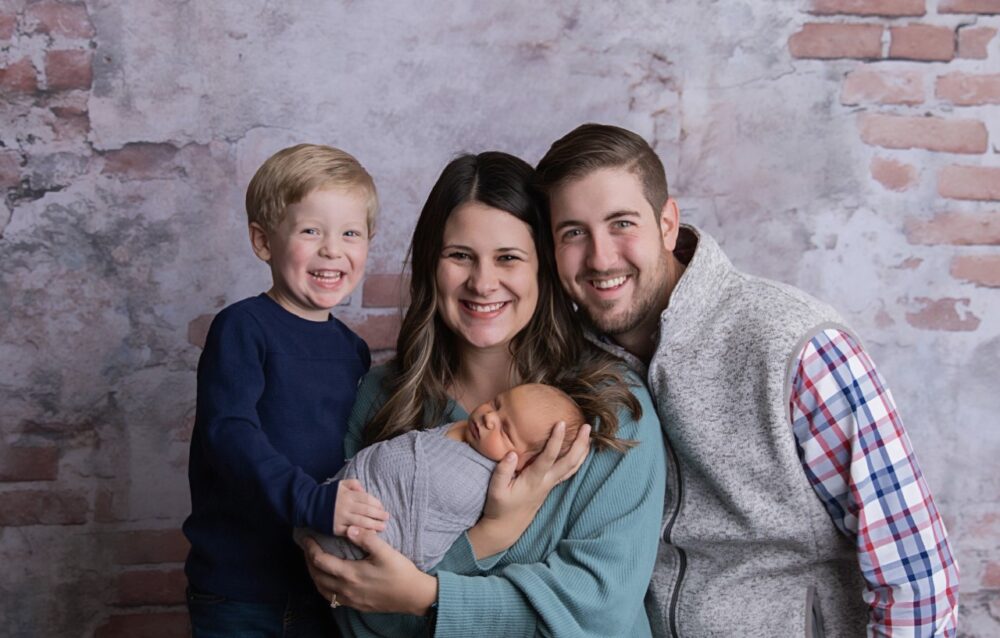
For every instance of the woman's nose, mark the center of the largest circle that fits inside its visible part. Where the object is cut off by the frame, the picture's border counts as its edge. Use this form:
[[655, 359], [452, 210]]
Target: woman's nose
[[483, 279]]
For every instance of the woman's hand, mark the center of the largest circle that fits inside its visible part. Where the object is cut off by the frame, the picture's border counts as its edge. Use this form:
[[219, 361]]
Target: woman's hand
[[384, 581], [356, 507], [512, 501]]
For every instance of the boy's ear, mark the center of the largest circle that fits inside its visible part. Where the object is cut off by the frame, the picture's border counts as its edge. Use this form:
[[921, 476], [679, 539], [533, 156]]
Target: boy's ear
[[259, 242]]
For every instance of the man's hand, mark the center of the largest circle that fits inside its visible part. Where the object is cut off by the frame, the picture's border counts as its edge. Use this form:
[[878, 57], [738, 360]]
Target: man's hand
[[356, 507], [384, 581], [512, 501]]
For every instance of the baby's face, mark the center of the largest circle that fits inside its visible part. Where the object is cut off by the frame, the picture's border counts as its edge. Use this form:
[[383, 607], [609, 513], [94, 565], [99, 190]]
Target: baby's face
[[507, 424]]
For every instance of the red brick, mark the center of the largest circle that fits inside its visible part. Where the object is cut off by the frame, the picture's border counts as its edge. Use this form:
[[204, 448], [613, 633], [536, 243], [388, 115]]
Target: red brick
[[29, 463], [961, 229], [66, 70], [59, 18], [39, 507], [379, 331], [973, 42], [869, 7], [931, 133], [151, 587], [18, 77], [991, 576], [982, 270], [8, 25], [386, 291], [197, 327], [965, 89], [970, 182], [141, 160], [922, 42], [828, 41], [150, 546], [10, 169], [943, 314], [150, 625], [896, 176], [969, 6], [883, 87], [70, 122]]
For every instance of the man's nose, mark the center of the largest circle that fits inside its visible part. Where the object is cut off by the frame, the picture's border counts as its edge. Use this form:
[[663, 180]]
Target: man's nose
[[601, 253]]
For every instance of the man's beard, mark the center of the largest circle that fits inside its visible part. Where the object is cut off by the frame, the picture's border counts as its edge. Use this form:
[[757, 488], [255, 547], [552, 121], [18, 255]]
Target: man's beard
[[643, 304]]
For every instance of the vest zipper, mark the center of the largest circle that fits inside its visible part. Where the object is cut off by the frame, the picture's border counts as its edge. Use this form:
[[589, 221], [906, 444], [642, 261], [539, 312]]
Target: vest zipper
[[681, 555]]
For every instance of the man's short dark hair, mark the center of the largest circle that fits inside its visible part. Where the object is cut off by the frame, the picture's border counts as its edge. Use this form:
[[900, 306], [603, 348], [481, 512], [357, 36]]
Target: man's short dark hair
[[590, 147]]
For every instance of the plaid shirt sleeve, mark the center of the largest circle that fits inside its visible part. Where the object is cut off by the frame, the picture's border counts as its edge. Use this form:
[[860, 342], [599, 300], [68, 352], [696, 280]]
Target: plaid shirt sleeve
[[861, 464]]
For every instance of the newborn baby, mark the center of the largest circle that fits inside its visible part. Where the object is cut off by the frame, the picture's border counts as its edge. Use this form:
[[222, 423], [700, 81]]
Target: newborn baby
[[433, 482]]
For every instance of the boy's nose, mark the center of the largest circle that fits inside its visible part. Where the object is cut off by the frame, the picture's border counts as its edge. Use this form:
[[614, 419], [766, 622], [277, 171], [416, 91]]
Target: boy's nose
[[330, 249]]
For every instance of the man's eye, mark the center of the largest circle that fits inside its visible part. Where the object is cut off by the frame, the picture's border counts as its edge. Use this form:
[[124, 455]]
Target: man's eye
[[622, 223], [572, 233]]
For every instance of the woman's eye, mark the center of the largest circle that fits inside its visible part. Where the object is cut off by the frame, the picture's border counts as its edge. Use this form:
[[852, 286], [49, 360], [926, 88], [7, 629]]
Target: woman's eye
[[460, 256], [508, 258]]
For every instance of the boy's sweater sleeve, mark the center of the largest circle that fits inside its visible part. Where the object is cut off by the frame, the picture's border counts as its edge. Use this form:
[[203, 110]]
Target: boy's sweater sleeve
[[230, 383], [594, 581]]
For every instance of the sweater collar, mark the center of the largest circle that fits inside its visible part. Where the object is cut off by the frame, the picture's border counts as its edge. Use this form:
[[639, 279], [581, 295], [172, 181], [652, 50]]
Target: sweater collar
[[706, 267]]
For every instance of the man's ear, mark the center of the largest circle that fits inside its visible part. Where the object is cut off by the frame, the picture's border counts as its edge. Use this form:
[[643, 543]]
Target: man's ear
[[260, 242], [670, 223]]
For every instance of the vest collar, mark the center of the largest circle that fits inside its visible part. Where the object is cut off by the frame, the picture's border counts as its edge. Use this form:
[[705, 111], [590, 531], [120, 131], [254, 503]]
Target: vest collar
[[698, 290]]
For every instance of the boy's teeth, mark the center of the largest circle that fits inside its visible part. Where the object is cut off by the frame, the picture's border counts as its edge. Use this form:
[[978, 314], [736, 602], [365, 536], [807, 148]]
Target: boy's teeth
[[323, 274], [609, 283], [486, 307]]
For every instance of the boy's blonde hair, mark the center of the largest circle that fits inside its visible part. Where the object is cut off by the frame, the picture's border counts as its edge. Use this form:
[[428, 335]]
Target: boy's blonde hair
[[294, 172]]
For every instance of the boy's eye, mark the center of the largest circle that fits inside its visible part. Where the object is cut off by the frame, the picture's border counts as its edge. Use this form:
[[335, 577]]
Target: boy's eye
[[310, 231], [352, 233]]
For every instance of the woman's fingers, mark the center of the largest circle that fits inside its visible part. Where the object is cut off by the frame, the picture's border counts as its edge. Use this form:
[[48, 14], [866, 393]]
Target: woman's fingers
[[503, 474]]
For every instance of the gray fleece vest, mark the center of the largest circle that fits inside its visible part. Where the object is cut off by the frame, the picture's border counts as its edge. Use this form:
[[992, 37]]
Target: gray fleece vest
[[747, 547], [433, 487]]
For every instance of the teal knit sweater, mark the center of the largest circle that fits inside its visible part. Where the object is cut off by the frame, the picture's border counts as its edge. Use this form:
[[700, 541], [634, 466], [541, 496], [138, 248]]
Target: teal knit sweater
[[580, 569]]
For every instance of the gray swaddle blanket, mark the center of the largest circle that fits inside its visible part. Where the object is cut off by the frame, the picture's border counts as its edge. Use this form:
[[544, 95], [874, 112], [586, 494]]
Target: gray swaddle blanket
[[433, 488]]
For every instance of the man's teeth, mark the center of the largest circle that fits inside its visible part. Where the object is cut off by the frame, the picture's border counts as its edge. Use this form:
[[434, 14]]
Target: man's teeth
[[609, 283], [332, 275], [493, 307]]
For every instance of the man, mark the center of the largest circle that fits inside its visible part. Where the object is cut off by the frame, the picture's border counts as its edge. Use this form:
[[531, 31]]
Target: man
[[790, 465]]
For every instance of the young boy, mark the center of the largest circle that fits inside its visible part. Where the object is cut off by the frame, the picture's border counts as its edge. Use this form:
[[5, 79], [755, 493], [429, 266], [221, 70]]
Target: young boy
[[434, 481], [276, 382]]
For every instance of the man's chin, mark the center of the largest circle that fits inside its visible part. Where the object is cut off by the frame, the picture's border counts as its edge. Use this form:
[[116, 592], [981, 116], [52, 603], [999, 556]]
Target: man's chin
[[608, 323]]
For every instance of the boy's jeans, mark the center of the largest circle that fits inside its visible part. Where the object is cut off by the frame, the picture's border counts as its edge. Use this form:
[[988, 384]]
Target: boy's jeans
[[214, 616]]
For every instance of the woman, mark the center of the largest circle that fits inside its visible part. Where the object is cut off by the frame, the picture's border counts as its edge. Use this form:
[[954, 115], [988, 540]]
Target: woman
[[487, 313]]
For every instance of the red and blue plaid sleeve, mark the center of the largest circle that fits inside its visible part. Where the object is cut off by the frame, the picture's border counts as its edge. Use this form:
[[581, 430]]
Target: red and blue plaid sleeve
[[861, 464]]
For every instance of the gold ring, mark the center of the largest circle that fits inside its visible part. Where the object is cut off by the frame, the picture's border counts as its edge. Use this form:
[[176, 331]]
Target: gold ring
[[333, 602]]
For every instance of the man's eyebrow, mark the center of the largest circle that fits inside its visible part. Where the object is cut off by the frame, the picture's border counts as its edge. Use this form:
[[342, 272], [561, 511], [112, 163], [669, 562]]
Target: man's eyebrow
[[613, 215]]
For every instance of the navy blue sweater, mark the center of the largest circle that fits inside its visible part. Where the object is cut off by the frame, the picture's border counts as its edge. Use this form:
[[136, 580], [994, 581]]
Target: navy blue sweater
[[274, 395]]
